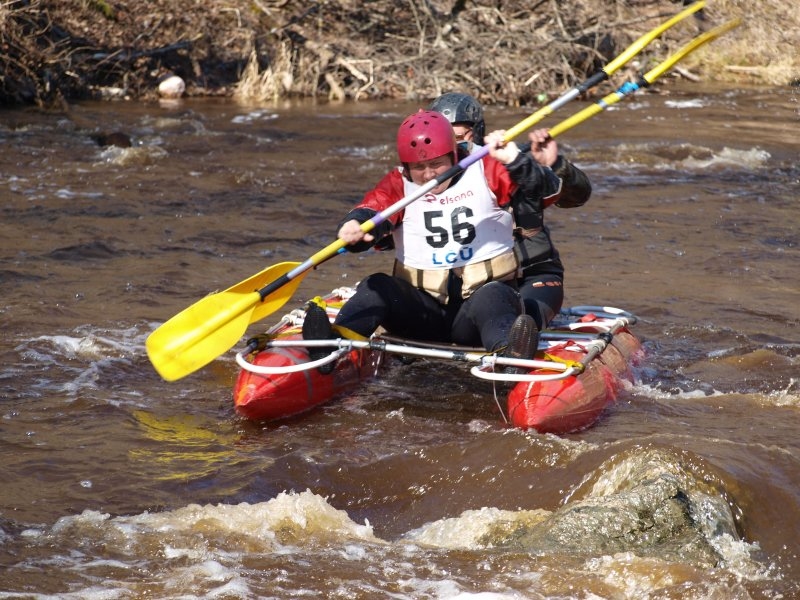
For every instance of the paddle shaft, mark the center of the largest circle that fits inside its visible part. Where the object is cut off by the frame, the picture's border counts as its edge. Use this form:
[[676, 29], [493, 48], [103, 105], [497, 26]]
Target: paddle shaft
[[604, 73], [384, 346], [643, 81]]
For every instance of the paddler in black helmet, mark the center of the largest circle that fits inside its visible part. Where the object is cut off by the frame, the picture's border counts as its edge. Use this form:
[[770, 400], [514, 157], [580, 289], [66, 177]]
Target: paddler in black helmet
[[541, 284], [465, 115]]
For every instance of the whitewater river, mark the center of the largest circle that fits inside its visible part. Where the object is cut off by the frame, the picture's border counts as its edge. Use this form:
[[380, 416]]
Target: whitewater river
[[117, 484]]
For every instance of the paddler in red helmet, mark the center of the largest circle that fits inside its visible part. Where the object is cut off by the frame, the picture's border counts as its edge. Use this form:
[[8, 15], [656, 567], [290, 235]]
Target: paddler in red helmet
[[455, 270]]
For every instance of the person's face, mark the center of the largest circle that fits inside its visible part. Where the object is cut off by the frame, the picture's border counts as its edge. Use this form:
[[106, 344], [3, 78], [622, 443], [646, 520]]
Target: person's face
[[422, 172], [463, 132]]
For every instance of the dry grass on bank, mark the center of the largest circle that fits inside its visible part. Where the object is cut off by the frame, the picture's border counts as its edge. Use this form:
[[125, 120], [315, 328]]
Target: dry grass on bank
[[503, 51], [499, 52], [765, 49], [517, 53]]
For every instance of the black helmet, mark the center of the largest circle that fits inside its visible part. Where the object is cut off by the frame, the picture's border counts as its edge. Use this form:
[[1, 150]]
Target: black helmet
[[461, 108]]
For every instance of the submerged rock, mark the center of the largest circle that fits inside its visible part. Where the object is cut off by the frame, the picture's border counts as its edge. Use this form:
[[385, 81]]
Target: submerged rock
[[115, 138], [655, 519], [648, 503]]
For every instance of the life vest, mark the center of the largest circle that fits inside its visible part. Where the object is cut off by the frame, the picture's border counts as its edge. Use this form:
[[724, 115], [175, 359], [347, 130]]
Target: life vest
[[462, 231]]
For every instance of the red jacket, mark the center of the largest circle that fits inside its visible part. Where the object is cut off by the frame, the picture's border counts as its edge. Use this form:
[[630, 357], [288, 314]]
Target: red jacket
[[390, 189]]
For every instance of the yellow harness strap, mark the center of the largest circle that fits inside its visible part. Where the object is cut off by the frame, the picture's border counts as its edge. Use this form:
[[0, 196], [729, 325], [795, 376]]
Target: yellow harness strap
[[349, 334], [319, 301], [344, 332], [569, 363]]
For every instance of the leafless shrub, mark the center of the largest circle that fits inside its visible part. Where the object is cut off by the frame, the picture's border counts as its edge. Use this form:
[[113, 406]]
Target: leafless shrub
[[502, 51]]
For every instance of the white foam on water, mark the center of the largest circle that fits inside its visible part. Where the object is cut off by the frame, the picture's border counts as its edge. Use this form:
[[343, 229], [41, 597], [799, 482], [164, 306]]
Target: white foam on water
[[630, 105], [687, 103], [306, 514], [747, 158], [655, 392], [790, 396], [471, 528], [633, 159], [200, 548], [253, 116], [139, 156], [366, 152], [82, 360], [70, 347], [631, 576]]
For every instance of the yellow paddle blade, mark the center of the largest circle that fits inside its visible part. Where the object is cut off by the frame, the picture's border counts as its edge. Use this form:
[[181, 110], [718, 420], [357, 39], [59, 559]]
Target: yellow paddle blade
[[197, 335], [279, 297]]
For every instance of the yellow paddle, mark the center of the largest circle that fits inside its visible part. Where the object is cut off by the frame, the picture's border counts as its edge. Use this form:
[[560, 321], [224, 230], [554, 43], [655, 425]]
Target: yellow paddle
[[604, 73], [193, 338], [197, 335], [644, 81]]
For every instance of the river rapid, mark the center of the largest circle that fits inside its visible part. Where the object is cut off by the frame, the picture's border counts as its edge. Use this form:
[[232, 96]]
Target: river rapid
[[117, 484]]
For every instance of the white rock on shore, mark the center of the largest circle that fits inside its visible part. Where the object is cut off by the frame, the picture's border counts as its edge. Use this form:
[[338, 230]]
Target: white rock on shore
[[171, 87]]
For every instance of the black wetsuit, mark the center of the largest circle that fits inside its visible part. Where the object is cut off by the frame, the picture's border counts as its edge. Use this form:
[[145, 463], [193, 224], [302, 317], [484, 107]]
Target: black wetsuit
[[541, 284]]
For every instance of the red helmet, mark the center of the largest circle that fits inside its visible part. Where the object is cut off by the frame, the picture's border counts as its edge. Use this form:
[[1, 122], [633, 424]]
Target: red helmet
[[424, 136]]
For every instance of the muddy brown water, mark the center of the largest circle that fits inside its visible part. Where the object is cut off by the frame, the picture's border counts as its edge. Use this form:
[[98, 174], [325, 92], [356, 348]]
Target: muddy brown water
[[117, 484]]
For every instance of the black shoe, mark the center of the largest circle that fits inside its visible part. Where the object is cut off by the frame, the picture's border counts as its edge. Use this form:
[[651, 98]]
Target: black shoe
[[523, 340], [317, 326]]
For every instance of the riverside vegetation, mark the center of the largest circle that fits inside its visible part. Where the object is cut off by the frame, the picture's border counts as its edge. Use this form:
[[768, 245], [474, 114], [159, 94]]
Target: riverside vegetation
[[515, 52]]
